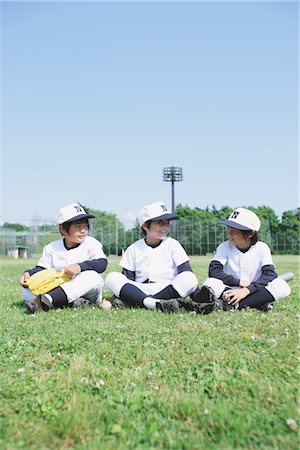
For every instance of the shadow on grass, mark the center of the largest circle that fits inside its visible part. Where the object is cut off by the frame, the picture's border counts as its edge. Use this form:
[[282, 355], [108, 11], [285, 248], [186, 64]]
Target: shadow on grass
[[18, 304]]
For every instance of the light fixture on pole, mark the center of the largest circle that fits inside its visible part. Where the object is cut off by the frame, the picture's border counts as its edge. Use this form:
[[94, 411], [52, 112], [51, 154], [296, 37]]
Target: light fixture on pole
[[173, 174]]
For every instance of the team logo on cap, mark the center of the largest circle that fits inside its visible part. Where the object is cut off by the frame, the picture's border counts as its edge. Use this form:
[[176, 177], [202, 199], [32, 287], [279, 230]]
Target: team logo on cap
[[78, 208], [164, 208], [234, 214]]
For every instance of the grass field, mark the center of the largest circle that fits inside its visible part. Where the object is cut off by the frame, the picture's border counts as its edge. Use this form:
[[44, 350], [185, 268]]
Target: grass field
[[138, 379]]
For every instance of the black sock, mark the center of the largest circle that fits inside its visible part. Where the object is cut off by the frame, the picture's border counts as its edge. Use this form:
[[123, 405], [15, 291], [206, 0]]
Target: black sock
[[194, 294], [167, 293], [132, 296], [59, 298], [257, 299]]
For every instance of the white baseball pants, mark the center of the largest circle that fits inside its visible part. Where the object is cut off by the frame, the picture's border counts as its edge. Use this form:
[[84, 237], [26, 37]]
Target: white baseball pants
[[278, 288], [184, 283]]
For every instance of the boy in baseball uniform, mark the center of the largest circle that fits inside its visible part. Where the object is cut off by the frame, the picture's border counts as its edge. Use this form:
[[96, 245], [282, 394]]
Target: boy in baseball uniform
[[242, 272], [156, 269], [80, 257]]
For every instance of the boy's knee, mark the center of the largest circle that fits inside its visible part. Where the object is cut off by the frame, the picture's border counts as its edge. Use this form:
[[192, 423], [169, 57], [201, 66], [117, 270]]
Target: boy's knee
[[91, 276], [114, 282], [279, 288], [185, 283]]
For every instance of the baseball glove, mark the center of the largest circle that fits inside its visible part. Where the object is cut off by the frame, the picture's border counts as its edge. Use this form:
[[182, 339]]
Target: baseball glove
[[45, 280]]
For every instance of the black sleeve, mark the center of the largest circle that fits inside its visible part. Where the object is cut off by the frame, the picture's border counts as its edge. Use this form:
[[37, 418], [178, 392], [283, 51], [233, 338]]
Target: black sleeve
[[99, 265], [268, 275], [35, 270], [130, 274], [215, 270], [185, 267]]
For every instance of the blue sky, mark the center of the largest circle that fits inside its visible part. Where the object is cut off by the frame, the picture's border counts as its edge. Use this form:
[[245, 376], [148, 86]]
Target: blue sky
[[99, 97]]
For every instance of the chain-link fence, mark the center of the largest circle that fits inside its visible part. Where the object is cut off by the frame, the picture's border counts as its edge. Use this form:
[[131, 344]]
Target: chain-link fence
[[198, 237], [12, 243]]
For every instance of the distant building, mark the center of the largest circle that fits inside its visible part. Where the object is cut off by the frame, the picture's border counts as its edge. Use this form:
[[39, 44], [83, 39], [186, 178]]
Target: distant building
[[18, 251]]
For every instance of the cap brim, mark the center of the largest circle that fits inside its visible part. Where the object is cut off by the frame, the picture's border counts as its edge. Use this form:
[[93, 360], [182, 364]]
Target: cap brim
[[168, 216], [235, 225], [80, 217]]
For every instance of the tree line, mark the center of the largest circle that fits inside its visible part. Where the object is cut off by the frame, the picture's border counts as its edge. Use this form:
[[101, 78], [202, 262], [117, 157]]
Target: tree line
[[198, 230]]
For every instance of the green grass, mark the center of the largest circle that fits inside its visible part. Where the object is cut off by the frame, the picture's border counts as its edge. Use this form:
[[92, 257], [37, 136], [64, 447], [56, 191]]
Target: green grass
[[137, 379]]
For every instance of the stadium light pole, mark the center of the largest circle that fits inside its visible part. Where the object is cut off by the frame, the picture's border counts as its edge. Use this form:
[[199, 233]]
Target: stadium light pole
[[173, 174]]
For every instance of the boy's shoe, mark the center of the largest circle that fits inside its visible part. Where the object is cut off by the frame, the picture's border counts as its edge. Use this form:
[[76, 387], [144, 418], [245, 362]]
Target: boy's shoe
[[33, 306], [167, 306], [204, 301], [199, 308], [117, 303], [188, 305], [266, 307], [225, 306], [205, 295], [40, 303], [81, 302]]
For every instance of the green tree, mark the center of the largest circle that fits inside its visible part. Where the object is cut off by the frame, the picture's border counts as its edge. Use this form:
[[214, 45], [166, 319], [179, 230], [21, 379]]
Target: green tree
[[107, 228], [290, 221], [265, 213], [287, 239], [15, 226]]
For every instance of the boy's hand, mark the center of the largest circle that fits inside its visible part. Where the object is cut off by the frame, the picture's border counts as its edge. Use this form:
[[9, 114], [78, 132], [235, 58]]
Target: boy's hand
[[72, 270], [24, 278], [236, 295]]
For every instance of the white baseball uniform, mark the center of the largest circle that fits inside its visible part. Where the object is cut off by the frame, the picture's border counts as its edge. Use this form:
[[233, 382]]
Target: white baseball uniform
[[88, 283], [155, 268], [246, 266]]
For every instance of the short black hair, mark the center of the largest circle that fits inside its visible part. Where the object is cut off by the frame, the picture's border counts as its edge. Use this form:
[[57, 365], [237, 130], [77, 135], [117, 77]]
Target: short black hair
[[148, 225], [67, 225], [253, 238]]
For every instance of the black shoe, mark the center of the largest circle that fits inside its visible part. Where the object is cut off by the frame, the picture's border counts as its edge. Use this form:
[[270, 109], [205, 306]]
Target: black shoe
[[167, 306], [117, 303], [188, 305], [199, 308], [225, 306], [33, 306], [81, 302], [266, 307], [206, 299], [204, 295], [40, 303]]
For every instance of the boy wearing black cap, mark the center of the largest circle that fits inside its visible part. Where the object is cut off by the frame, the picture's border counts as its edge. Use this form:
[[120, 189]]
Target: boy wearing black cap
[[80, 257]]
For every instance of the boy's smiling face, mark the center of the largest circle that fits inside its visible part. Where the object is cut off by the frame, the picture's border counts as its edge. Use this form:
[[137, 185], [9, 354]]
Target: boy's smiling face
[[76, 233], [157, 231]]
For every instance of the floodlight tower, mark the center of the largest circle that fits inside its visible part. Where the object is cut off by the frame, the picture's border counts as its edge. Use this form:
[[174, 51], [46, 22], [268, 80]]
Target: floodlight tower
[[173, 174]]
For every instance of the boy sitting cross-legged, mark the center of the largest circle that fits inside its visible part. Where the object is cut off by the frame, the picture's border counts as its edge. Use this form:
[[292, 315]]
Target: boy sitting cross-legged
[[78, 255], [156, 272]]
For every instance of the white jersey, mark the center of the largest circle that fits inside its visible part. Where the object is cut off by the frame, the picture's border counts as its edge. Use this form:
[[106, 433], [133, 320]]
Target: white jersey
[[243, 266], [55, 255], [154, 264]]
